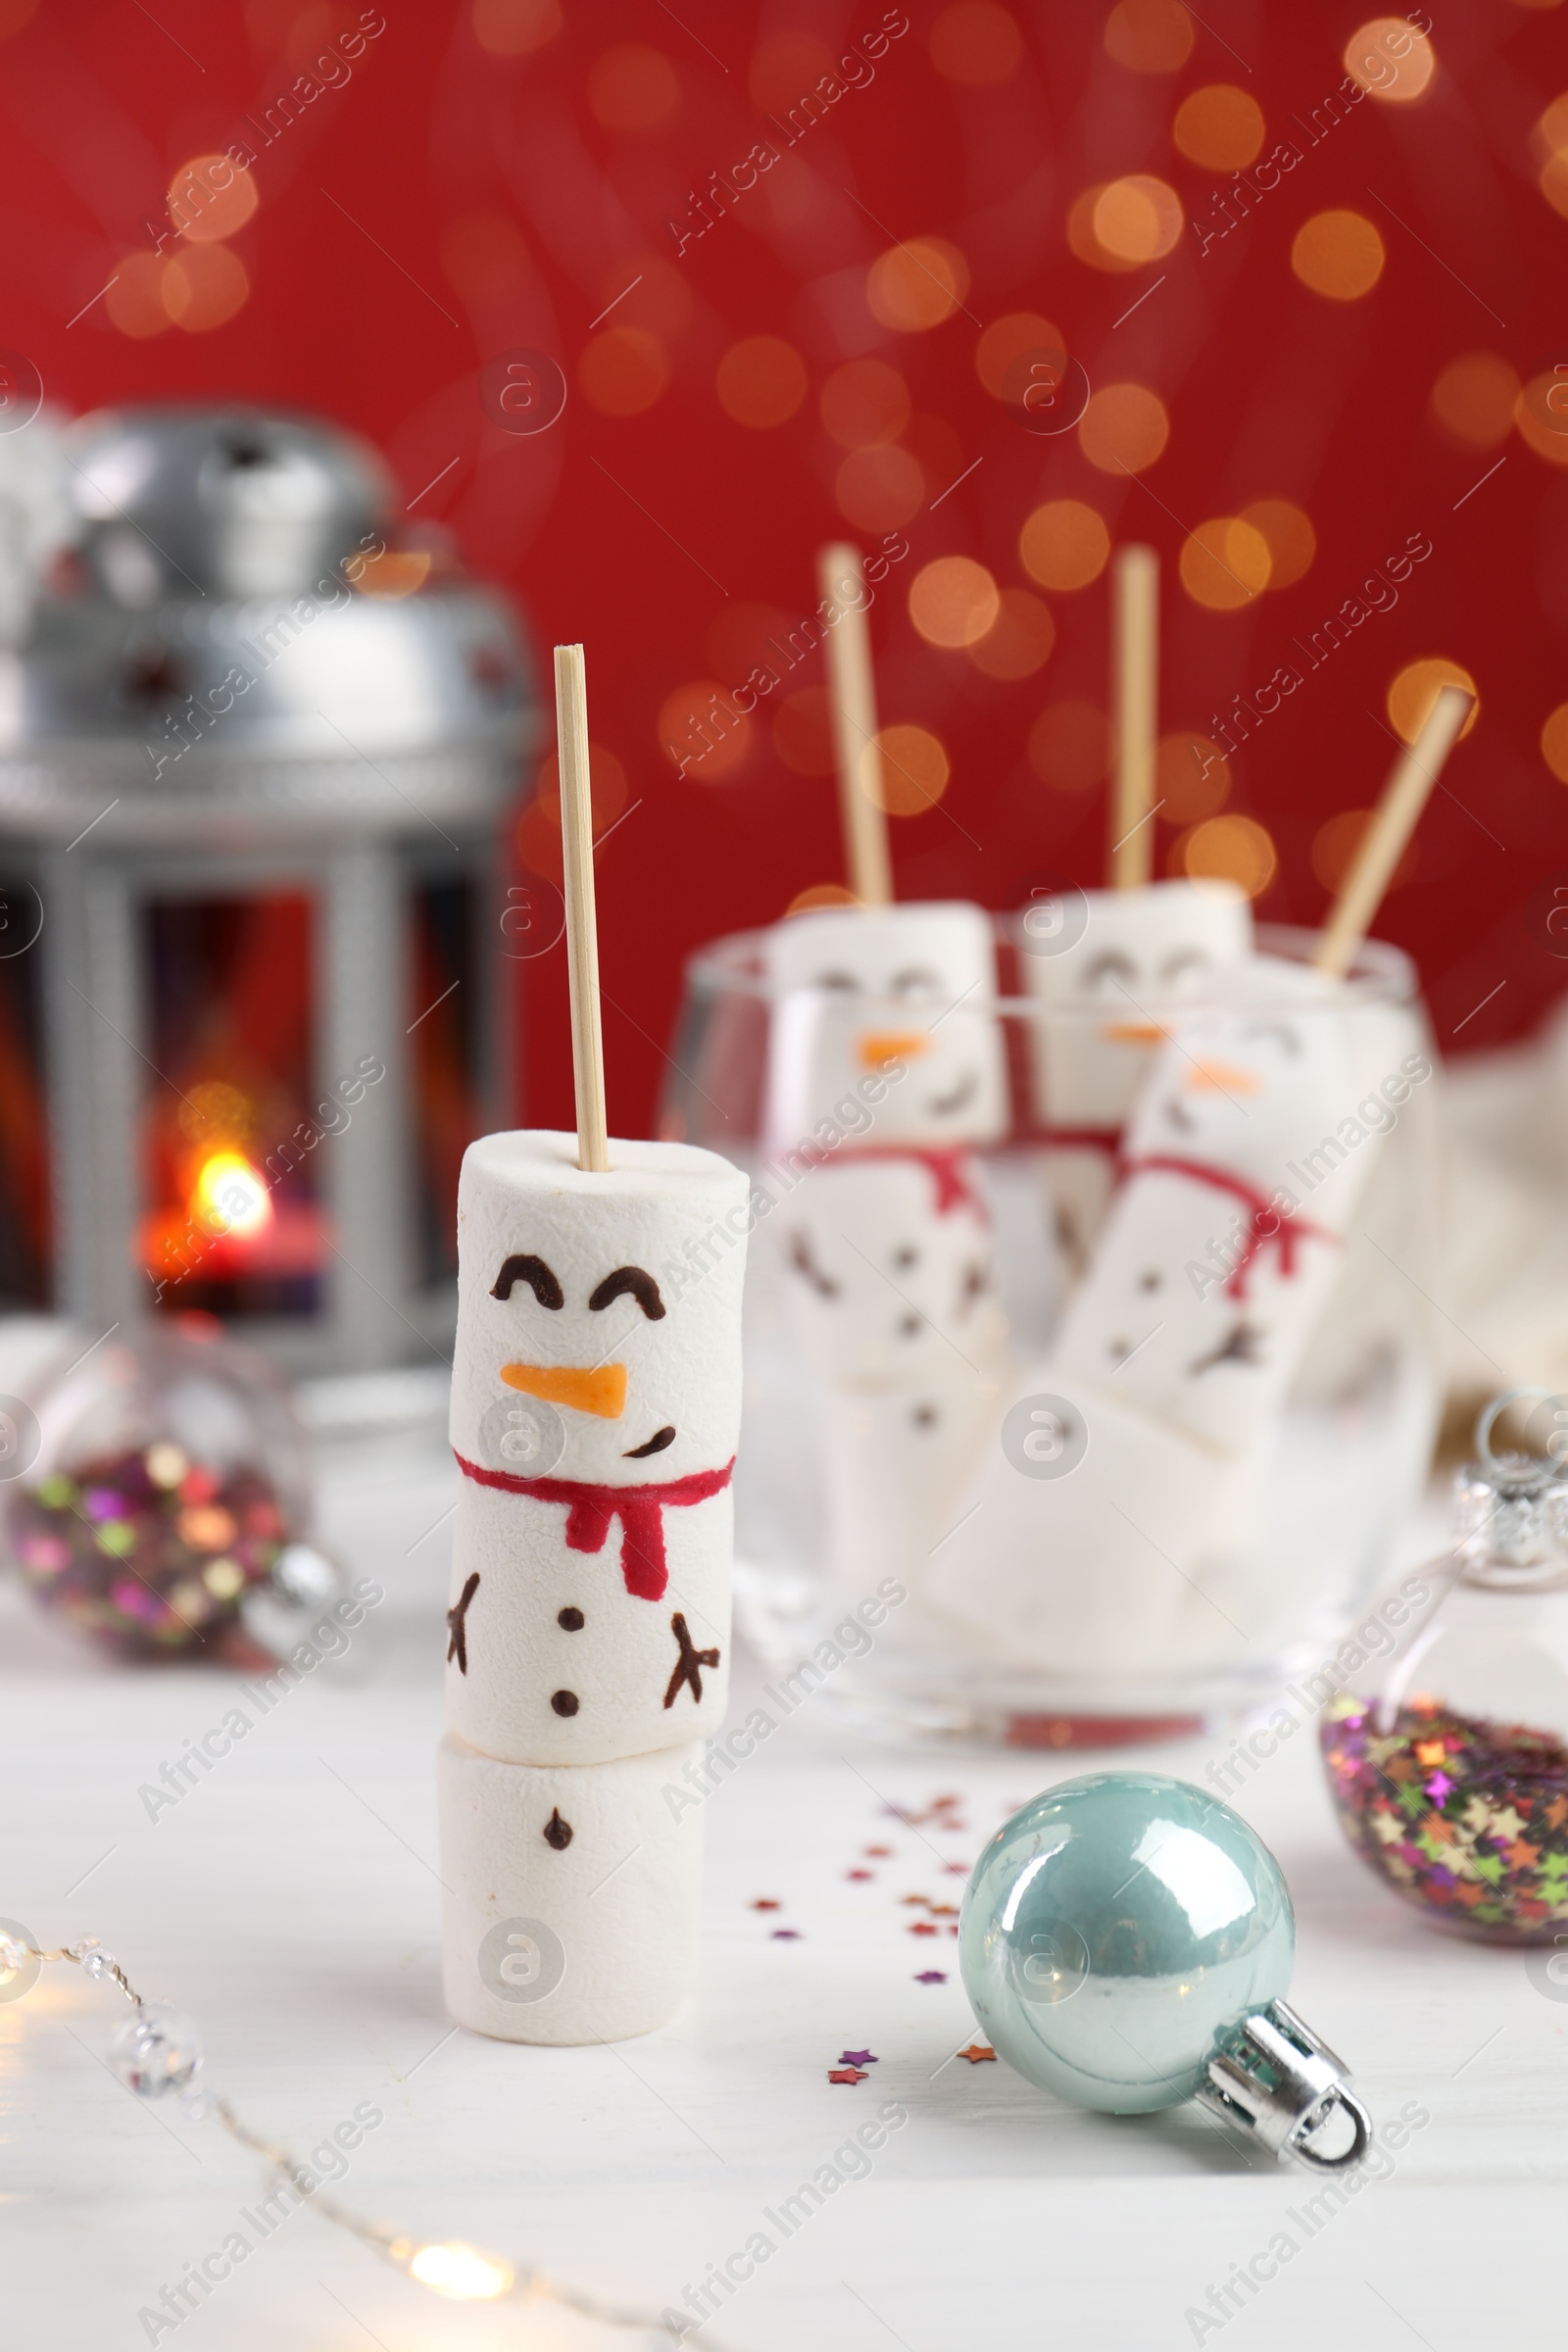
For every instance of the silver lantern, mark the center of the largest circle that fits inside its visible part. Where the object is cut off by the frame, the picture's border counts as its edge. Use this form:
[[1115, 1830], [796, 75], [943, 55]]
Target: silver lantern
[[255, 755]]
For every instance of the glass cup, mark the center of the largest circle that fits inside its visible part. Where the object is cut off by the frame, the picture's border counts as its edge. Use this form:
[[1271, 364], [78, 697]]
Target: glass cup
[[982, 1493]]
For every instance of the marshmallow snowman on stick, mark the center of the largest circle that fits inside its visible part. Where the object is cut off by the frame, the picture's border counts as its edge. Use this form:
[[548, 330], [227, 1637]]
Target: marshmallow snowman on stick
[[595, 1411], [883, 1023], [1160, 1389], [1102, 962]]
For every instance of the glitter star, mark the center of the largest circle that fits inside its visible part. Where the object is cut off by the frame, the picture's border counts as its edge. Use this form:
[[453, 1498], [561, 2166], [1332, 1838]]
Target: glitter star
[[767, 1902], [856, 2058], [859, 1874], [978, 2052], [1429, 1752], [931, 1975], [786, 1934], [848, 2074], [1439, 1786], [921, 1927]]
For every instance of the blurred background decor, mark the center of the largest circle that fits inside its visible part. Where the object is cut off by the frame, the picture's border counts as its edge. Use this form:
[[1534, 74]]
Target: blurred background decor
[[254, 756]]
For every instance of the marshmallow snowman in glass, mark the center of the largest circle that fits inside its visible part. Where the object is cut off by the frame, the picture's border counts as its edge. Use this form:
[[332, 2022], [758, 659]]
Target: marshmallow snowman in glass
[[1108, 964]]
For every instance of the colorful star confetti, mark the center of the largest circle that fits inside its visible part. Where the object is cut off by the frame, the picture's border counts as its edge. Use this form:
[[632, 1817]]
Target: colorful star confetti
[[786, 1934], [856, 2058], [767, 1902], [848, 2074], [978, 2052], [1466, 1817], [931, 1975]]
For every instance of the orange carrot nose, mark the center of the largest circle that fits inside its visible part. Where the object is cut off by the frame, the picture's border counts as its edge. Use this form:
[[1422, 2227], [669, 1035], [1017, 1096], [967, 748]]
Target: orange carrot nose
[[601, 1389], [1220, 1078], [1134, 1033], [878, 1045]]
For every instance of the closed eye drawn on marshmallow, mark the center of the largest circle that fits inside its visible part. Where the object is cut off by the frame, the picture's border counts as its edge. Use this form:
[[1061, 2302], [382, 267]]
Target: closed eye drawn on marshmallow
[[629, 1281], [946, 1104], [846, 982], [918, 980], [536, 1274], [1112, 964]]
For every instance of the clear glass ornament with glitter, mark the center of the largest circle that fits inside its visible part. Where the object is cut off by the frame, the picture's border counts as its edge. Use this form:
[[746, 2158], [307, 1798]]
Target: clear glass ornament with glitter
[[1449, 1759], [159, 1491]]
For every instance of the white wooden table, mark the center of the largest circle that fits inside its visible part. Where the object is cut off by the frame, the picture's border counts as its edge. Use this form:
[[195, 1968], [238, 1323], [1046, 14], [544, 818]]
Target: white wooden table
[[289, 1902]]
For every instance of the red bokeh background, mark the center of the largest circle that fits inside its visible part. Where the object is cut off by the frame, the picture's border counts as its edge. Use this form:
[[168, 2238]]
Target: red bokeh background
[[473, 185]]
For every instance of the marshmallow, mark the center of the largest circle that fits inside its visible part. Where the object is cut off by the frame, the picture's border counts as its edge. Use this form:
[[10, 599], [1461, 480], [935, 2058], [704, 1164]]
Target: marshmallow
[[552, 1660], [1107, 993], [896, 1467], [888, 1274], [573, 1895], [1224, 1241], [857, 986], [1084, 1572]]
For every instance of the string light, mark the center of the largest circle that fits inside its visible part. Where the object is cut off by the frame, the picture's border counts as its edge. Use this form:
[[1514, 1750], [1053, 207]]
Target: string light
[[156, 2051]]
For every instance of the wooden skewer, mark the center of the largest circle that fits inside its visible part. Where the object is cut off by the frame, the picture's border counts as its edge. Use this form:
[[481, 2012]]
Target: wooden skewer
[[862, 810], [582, 934], [1386, 838], [1136, 582]]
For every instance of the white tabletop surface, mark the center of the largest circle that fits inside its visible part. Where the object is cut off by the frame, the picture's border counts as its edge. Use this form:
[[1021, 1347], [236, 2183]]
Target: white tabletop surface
[[289, 1903]]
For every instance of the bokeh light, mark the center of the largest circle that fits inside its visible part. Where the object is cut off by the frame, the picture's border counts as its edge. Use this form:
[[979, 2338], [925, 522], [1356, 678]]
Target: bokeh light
[[1338, 255], [1227, 849], [1552, 146], [1225, 564], [1150, 37], [622, 370], [700, 725], [953, 601], [1003, 352], [516, 27], [1064, 544], [1124, 428], [879, 486], [1019, 640], [802, 732], [1191, 778], [1219, 126], [1082, 239], [976, 44], [1335, 844], [1138, 219], [1070, 746], [1391, 60], [632, 88], [134, 301], [1290, 540], [914, 771], [211, 198], [1554, 743], [204, 287], [820, 893], [1474, 398], [762, 381], [1541, 413], [919, 284], [1417, 688], [485, 258], [863, 400]]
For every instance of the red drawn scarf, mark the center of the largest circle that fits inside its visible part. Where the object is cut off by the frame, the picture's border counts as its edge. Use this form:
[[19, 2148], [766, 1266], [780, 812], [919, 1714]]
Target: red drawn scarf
[[951, 1167], [1269, 1224], [591, 1511]]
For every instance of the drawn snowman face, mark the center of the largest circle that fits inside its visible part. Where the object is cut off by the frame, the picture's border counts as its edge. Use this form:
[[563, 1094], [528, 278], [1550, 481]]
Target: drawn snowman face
[[1140, 952], [1254, 1078], [598, 1330], [886, 1286], [861, 986]]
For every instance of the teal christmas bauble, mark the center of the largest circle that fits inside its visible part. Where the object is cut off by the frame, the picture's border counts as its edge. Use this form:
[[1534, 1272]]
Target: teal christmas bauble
[[1116, 1932]]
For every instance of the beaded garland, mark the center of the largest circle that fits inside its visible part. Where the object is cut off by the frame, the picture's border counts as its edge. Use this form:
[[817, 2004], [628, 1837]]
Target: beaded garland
[[1465, 1817], [148, 1550]]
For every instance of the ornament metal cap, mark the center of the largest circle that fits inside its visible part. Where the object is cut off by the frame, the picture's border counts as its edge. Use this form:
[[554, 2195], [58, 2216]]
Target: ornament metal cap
[[1280, 2084]]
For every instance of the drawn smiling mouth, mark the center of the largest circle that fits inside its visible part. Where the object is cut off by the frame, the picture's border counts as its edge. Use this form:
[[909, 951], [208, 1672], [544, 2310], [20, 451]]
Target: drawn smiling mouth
[[655, 1445], [944, 1104]]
